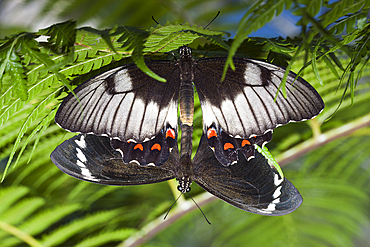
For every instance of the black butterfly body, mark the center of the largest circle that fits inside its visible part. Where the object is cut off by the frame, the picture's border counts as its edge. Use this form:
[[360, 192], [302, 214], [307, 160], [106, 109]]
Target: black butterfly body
[[129, 120]]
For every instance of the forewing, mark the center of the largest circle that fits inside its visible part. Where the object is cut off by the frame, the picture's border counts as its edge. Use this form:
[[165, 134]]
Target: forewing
[[124, 103], [91, 158], [243, 104], [252, 185]]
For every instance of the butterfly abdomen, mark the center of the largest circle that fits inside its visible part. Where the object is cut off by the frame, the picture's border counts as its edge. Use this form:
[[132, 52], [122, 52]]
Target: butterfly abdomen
[[186, 100], [186, 117]]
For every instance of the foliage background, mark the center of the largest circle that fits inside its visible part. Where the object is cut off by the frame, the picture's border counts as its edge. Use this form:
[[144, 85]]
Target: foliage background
[[327, 161]]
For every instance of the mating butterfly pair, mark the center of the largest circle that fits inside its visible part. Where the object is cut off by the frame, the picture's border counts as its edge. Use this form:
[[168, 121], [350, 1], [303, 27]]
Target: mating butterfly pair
[[129, 121]]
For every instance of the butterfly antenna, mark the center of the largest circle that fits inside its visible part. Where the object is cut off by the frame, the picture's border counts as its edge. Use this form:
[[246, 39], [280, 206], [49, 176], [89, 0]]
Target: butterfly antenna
[[172, 206], [155, 20], [194, 203], [200, 209], [218, 13]]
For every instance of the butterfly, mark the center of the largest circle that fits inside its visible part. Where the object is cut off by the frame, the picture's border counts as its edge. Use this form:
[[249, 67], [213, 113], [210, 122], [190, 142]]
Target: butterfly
[[128, 125]]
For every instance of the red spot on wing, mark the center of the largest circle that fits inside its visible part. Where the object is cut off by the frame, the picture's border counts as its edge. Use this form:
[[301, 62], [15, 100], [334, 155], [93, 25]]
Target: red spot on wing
[[139, 146], [228, 145], [156, 146], [211, 132], [128, 141], [245, 142], [171, 133]]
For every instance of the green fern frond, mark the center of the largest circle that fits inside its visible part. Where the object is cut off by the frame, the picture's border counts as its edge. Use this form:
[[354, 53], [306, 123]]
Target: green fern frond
[[347, 23], [76, 191], [342, 8], [78, 226], [100, 194], [23, 169], [11, 66], [39, 130], [21, 222], [133, 40], [29, 120], [170, 37], [9, 130], [61, 37], [331, 66], [43, 220], [22, 210], [57, 183], [106, 237], [10, 195], [257, 16], [19, 236]]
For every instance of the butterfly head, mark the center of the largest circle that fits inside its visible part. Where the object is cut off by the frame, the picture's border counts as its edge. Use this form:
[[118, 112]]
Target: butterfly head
[[185, 174], [184, 185], [185, 52]]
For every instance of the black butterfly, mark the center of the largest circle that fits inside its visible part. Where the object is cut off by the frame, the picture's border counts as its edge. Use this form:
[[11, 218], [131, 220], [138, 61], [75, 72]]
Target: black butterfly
[[133, 119]]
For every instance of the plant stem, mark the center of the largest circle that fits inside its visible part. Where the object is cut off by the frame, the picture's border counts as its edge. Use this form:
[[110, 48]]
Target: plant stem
[[157, 225], [322, 139], [25, 237]]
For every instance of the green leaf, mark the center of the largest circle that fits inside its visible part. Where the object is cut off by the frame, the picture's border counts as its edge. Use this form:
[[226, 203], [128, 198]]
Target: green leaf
[[257, 16], [314, 66], [10, 64], [133, 39], [62, 36], [330, 65], [105, 34], [271, 160]]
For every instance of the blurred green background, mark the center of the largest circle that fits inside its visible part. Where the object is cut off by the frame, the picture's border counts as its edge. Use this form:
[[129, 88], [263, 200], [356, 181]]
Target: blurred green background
[[327, 158]]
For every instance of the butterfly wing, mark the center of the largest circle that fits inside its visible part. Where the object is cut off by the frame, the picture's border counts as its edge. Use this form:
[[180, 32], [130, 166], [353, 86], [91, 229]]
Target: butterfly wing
[[91, 158], [252, 185], [243, 105], [128, 106], [226, 148]]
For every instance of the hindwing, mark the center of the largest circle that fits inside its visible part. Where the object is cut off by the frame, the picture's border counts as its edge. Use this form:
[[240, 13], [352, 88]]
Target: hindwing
[[152, 152], [251, 185], [91, 158], [226, 148]]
